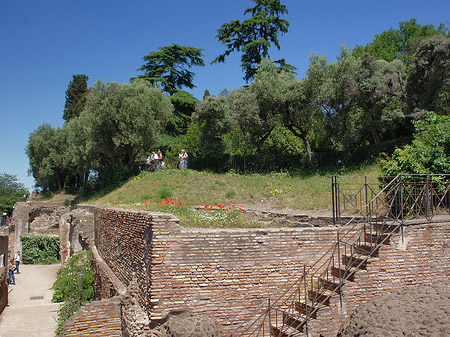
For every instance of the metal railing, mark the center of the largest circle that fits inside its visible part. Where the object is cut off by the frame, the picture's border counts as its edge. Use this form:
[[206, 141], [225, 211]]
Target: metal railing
[[423, 195], [382, 213]]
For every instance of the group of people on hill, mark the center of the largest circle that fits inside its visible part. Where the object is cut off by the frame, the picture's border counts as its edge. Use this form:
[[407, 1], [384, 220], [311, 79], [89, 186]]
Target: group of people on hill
[[13, 267], [154, 161]]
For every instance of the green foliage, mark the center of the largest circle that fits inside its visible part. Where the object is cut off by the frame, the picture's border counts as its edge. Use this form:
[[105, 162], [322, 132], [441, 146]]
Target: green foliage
[[230, 194], [213, 115], [167, 67], [74, 286], [164, 193], [39, 249], [11, 191], [66, 202], [184, 105], [428, 84], [254, 36], [75, 97], [429, 151], [125, 120], [398, 43]]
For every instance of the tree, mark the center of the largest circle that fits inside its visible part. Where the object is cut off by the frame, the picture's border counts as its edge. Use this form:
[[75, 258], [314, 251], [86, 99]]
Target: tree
[[167, 67], [76, 156], [184, 105], [45, 150], [254, 36], [75, 97], [398, 43], [11, 191], [255, 109], [428, 83], [379, 94], [213, 115], [339, 80], [125, 120], [428, 153]]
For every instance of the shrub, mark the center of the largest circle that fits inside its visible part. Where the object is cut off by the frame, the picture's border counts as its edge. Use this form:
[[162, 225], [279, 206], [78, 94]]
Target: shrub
[[74, 286], [164, 193], [230, 194], [39, 248], [66, 202]]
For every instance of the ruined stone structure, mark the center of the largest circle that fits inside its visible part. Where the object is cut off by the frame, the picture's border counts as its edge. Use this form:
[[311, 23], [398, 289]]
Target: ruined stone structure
[[36, 218], [76, 232], [229, 274]]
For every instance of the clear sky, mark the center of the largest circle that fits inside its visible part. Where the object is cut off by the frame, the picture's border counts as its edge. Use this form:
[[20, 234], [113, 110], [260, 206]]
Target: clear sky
[[43, 43]]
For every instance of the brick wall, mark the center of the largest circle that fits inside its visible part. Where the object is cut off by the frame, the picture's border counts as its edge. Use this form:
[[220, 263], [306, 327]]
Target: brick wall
[[229, 274], [124, 239], [226, 274], [98, 318]]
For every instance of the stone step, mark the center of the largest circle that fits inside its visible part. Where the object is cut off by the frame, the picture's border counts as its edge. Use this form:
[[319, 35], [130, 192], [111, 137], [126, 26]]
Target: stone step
[[319, 297], [284, 332], [380, 238], [301, 308], [329, 285], [294, 322], [354, 262], [366, 250], [349, 275], [386, 228]]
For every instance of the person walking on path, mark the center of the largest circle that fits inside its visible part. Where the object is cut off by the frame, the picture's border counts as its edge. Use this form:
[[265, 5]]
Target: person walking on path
[[11, 277], [17, 261]]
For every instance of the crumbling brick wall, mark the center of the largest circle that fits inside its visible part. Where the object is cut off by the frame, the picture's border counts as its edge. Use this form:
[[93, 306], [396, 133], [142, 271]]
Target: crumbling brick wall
[[98, 318]]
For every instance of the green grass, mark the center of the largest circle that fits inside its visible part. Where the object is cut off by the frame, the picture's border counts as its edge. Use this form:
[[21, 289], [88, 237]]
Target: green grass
[[186, 188]]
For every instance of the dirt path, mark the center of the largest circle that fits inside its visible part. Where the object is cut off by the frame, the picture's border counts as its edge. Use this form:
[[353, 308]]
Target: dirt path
[[30, 312]]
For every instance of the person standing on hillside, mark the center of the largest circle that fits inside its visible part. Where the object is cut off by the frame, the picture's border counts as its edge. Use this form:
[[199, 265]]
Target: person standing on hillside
[[160, 159], [185, 159], [180, 156], [17, 261]]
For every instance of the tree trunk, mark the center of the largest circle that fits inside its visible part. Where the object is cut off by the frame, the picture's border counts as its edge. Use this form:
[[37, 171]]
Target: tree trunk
[[303, 135], [375, 135]]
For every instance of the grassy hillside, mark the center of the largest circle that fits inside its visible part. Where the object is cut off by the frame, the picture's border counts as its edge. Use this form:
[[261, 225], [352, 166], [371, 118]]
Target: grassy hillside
[[282, 190]]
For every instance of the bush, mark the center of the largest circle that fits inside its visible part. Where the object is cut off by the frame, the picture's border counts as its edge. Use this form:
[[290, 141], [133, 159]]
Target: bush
[[74, 286], [428, 153], [39, 248], [164, 193]]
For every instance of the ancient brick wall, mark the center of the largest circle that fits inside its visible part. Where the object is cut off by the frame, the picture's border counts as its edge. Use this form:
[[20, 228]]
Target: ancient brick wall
[[123, 239], [98, 318], [229, 273]]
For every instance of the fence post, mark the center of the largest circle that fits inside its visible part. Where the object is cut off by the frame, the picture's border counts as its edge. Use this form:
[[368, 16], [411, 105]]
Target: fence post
[[339, 266], [427, 198], [306, 300], [401, 208], [332, 199]]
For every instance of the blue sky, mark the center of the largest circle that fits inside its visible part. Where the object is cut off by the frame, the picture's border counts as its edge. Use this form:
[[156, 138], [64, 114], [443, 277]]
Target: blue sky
[[44, 43]]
